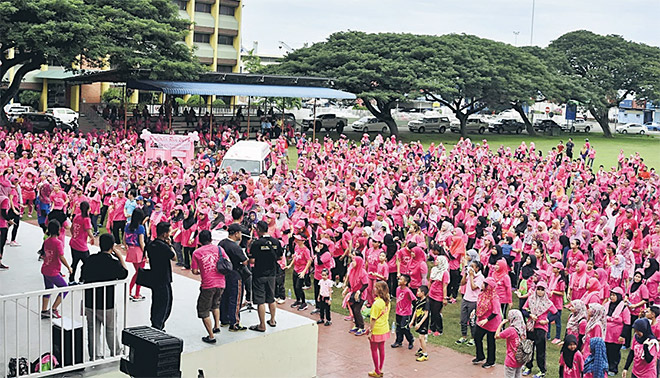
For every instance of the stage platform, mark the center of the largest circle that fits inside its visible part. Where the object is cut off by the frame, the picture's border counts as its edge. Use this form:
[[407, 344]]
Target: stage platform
[[288, 350]]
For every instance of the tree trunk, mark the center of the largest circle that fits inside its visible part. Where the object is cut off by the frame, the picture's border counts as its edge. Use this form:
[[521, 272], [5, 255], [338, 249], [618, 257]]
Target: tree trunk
[[528, 124], [12, 90], [463, 119], [602, 117], [383, 113], [391, 123]]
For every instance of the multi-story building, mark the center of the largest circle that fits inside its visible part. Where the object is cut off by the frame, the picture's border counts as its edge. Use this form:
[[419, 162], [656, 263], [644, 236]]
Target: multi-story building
[[215, 35]]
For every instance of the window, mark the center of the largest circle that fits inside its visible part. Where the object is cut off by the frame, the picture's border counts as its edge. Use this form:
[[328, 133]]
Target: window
[[224, 69], [202, 7], [202, 38], [225, 40], [183, 4], [227, 11]]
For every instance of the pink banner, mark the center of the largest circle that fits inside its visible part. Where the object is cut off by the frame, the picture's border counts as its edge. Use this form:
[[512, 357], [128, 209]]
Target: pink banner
[[166, 147]]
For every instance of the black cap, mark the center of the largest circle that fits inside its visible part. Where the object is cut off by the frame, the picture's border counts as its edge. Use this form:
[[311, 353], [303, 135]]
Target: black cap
[[262, 226], [234, 228]]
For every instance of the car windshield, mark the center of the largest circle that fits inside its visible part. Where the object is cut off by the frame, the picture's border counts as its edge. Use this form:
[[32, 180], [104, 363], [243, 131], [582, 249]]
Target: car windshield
[[251, 166], [430, 120], [363, 119]]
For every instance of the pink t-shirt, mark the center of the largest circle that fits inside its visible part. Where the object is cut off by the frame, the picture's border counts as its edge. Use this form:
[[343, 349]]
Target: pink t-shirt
[[512, 340], [79, 235], [4, 206], [205, 258], [300, 258], [578, 366], [436, 291], [325, 288], [472, 295], [404, 300], [53, 249], [641, 368]]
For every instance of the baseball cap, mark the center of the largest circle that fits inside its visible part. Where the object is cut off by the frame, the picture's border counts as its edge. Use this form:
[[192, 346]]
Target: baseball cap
[[233, 228]]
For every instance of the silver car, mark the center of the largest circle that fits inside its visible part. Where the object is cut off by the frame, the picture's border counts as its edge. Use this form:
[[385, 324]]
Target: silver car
[[439, 124]]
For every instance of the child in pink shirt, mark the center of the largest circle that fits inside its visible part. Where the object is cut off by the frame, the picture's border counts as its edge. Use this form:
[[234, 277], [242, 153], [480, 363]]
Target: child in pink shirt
[[325, 297], [571, 362]]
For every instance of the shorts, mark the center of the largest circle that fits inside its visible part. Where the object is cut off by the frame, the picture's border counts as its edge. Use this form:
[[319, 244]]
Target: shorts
[[52, 281], [423, 330], [209, 299], [263, 290]]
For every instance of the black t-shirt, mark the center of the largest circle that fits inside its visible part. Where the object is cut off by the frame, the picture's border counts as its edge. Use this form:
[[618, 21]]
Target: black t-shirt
[[160, 254], [101, 267], [234, 251], [265, 251], [420, 306]]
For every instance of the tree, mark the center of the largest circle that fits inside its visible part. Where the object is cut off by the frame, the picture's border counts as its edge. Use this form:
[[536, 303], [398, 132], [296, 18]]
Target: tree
[[111, 94], [607, 69], [252, 62], [30, 98], [126, 35], [379, 68], [218, 103]]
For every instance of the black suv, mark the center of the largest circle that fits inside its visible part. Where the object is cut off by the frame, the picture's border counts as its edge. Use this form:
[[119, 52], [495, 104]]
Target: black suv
[[508, 125], [39, 122], [545, 124]]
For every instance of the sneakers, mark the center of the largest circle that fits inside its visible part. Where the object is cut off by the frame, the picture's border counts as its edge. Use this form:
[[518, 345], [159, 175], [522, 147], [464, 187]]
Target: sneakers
[[375, 375], [136, 299], [470, 342], [306, 287], [320, 321], [410, 346], [45, 314], [339, 285], [280, 301], [556, 341], [422, 358], [477, 361], [295, 304], [328, 323], [360, 332], [208, 340], [14, 243], [3, 266], [461, 341], [303, 306], [353, 330], [487, 365], [348, 318], [237, 328], [611, 374], [315, 311], [396, 345], [419, 352], [526, 371], [56, 314], [436, 333], [539, 375]]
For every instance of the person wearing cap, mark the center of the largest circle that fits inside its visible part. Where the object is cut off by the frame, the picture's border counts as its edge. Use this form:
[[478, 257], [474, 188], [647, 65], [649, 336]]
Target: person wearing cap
[[233, 294], [536, 309], [58, 214], [618, 326], [488, 317], [264, 254], [300, 262], [556, 289], [117, 214]]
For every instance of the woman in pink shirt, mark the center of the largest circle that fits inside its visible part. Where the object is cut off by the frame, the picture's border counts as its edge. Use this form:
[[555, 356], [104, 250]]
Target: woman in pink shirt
[[438, 293], [81, 230], [556, 286], [596, 325], [644, 352], [578, 283], [593, 292], [301, 261], [488, 313], [53, 254], [638, 296], [537, 308], [618, 322], [571, 361], [513, 335], [503, 283]]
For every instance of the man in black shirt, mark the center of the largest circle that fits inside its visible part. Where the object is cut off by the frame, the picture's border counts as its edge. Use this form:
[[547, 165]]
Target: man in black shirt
[[105, 266], [233, 294], [160, 253], [264, 254]]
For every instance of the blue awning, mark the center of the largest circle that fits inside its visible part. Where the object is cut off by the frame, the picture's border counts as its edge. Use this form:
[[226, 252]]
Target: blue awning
[[224, 89]]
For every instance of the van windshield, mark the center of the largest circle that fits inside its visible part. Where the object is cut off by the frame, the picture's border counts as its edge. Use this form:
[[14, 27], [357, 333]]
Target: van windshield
[[251, 166]]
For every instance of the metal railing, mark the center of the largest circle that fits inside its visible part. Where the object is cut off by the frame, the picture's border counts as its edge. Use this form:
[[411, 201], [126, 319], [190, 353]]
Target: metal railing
[[29, 333]]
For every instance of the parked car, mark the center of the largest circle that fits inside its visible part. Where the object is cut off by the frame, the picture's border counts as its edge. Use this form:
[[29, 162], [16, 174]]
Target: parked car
[[367, 124], [474, 125], [577, 125], [14, 110], [430, 123], [40, 122], [652, 126], [507, 125], [328, 121], [64, 115], [632, 128], [545, 124]]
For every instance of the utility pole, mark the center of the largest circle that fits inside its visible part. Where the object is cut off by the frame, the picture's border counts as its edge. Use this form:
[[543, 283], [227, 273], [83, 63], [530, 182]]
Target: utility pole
[[515, 33], [531, 35]]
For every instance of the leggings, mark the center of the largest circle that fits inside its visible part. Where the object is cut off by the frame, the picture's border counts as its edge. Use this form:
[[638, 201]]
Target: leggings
[[436, 316], [479, 344], [187, 253], [134, 279], [3, 240], [298, 287], [454, 283], [613, 356], [78, 256], [324, 305], [378, 355], [17, 221], [538, 335], [118, 226]]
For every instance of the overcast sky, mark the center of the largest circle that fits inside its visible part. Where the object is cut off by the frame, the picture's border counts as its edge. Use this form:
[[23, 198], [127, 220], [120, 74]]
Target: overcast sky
[[296, 22]]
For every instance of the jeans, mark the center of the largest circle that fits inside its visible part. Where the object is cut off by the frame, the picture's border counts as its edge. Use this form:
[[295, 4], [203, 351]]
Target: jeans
[[161, 305], [510, 372], [479, 334], [539, 344], [403, 329], [78, 256], [556, 317], [231, 299], [436, 316], [298, 287], [95, 222], [187, 254], [98, 321], [466, 308]]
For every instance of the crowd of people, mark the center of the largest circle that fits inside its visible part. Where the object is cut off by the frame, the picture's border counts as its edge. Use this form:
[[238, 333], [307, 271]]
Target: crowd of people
[[370, 218]]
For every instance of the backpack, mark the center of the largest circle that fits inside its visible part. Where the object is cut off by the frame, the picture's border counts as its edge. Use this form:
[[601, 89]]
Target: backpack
[[22, 369], [44, 363], [524, 350], [224, 265]]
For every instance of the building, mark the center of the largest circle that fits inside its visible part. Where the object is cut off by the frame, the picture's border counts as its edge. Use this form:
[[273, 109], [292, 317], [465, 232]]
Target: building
[[631, 111], [215, 34]]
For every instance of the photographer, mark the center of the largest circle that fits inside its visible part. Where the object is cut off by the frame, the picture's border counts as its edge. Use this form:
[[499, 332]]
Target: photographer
[[106, 265], [264, 254], [231, 297]]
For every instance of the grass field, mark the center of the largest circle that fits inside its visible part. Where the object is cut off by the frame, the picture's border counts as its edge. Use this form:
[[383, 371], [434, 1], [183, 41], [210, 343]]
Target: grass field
[[607, 149]]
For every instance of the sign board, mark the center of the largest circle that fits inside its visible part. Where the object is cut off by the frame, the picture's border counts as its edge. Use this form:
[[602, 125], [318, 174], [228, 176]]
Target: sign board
[[166, 146], [547, 109], [571, 112]]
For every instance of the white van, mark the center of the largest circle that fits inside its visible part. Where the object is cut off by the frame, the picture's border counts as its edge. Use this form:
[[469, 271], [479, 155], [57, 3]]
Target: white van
[[250, 155]]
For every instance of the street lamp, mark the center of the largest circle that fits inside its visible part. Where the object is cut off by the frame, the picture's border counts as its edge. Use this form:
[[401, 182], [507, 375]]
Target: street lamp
[[531, 35], [515, 33]]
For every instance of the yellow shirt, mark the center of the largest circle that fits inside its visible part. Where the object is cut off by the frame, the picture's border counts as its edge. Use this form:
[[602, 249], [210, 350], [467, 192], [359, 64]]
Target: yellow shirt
[[382, 325]]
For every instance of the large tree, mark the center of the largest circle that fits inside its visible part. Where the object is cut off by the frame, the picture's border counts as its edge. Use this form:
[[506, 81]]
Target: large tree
[[607, 69], [379, 68], [143, 34]]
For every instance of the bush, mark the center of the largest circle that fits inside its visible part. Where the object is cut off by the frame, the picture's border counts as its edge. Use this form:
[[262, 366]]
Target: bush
[[30, 98], [111, 94], [218, 103], [195, 101]]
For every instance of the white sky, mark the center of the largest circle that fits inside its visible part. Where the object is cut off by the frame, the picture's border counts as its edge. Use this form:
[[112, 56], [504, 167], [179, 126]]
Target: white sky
[[296, 22]]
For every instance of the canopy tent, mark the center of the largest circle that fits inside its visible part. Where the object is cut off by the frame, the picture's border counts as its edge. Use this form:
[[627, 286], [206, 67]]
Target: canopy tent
[[226, 89]]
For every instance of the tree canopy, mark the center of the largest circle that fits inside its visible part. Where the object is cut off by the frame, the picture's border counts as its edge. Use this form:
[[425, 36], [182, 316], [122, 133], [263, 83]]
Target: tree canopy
[[125, 35]]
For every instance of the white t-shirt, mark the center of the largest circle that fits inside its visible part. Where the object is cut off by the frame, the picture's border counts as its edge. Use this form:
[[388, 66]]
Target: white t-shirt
[[472, 295]]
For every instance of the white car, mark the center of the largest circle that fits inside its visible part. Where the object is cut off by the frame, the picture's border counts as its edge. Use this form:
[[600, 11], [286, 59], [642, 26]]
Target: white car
[[632, 128], [64, 115], [367, 124], [14, 110]]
